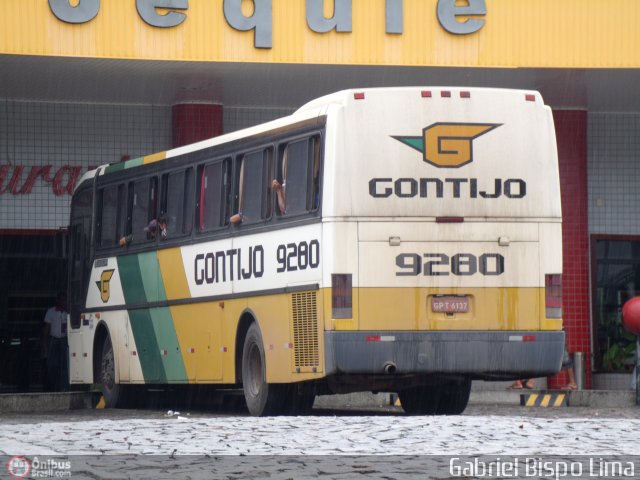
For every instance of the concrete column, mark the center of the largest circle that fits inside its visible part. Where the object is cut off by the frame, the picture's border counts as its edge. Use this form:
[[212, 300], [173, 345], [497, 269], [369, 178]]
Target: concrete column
[[571, 134]]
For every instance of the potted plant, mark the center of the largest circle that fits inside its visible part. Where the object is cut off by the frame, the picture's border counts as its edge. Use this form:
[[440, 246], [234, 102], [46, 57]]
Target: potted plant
[[620, 355]]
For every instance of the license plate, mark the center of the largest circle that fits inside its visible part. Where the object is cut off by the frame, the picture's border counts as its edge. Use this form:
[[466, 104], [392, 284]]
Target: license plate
[[450, 304]]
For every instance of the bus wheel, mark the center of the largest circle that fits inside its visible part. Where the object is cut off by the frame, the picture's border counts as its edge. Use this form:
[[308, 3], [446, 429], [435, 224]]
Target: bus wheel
[[420, 400], [454, 398], [112, 392], [262, 398]]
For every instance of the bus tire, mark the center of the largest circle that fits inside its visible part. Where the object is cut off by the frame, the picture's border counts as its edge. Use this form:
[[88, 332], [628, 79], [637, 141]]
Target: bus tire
[[421, 400], [262, 398], [454, 398], [112, 392]]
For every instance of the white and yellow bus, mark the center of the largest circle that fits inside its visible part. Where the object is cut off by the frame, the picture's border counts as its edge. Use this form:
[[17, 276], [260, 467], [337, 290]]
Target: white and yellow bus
[[411, 244]]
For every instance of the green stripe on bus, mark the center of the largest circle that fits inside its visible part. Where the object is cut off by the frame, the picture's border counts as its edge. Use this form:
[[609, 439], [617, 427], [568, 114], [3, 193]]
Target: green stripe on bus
[[153, 330], [148, 350], [174, 369], [136, 162], [131, 278], [151, 278], [116, 167]]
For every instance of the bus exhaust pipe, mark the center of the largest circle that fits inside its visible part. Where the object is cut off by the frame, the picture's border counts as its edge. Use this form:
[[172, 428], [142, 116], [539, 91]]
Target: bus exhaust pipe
[[390, 368]]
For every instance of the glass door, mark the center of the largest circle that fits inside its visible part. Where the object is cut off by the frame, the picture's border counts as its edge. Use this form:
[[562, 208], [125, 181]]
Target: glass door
[[615, 279]]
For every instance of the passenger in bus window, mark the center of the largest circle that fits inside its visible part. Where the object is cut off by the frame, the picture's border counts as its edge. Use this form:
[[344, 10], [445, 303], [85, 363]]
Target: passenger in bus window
[[279, 188], [125, 240], [237, 218], [155, 226]]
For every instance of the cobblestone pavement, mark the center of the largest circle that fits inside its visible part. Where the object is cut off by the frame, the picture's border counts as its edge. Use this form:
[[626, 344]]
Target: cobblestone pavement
[[329, 444]]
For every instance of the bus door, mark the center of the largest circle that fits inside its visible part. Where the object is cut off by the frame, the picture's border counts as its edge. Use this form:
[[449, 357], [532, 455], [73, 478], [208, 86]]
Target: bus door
[[80, 260]]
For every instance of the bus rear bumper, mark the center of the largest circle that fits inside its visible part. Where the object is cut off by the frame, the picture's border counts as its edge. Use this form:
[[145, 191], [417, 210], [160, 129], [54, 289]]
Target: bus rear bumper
[[478, 354]]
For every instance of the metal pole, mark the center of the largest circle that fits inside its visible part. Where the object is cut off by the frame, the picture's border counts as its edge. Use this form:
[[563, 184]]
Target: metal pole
[[578, 369]]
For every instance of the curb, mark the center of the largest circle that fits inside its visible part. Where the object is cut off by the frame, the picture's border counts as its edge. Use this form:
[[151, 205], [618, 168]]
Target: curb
[[573, 398], [45, 402]]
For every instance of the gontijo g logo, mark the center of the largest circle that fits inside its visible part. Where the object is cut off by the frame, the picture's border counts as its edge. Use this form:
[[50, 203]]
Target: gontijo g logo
[[448, 145], [103, 285]]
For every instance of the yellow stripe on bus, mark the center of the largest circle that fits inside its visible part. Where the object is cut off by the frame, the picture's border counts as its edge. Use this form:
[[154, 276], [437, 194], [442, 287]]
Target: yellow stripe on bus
[[155, 157], [173, 274]]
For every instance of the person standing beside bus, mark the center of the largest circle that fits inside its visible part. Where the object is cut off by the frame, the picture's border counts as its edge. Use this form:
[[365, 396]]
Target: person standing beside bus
[[55, 347]]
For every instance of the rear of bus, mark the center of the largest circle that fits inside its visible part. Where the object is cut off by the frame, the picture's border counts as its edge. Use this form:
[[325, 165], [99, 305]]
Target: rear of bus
[[442, 238]]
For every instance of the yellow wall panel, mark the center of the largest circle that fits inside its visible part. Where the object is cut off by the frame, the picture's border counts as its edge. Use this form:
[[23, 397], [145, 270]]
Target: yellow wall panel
[[516, 33]]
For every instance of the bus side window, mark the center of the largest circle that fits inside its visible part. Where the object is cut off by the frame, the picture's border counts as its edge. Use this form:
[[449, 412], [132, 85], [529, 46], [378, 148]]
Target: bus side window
[[175, 207], [189, 200], [252, 176], [144, 209], [122, 221], [106, 230], [125, 199], [214, 195], [315, 153], [293, 174]]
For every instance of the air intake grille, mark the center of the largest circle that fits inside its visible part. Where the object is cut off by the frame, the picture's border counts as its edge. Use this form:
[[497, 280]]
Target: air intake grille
[[305, 329]]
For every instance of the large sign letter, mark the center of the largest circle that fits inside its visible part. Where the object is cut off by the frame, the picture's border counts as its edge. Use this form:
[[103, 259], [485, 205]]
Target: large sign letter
[[83, 12], [394, 16], [148, 13], [260, 20], [341, 19], [448, 11]]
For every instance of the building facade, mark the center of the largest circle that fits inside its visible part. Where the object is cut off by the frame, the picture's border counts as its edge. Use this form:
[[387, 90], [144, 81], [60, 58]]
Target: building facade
[[88, 82]]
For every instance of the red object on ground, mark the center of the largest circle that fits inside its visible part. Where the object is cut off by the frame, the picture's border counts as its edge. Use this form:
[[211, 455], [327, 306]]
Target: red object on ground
[[631, 315]]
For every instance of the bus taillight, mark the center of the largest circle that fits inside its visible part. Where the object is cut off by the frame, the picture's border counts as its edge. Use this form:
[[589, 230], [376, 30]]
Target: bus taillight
[[553, 295], [341, 306]]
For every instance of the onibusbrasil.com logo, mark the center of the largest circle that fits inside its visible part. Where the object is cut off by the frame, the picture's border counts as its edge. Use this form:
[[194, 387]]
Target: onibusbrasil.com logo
[[38, 467]]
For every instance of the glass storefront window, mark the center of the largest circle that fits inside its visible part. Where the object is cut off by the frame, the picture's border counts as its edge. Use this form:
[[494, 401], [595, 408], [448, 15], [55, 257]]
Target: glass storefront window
[[616, 279]]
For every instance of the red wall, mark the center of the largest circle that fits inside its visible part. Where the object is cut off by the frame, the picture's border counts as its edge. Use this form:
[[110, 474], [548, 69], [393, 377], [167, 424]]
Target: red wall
[[193, 122], [571, 133]]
